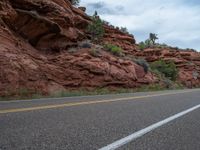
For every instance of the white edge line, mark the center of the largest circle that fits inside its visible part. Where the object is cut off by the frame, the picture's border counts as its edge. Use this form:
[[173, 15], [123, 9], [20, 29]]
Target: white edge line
[[144, 131]]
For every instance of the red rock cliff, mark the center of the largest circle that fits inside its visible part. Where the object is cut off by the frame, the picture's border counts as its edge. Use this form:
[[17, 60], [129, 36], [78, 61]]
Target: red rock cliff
[[187, 62], [35, 37]]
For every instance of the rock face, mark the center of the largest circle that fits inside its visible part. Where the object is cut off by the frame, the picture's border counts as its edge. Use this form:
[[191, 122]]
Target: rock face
[[40, 51], [125, 41], [187, 62], [47, 24], [54, 24], [35, 39]]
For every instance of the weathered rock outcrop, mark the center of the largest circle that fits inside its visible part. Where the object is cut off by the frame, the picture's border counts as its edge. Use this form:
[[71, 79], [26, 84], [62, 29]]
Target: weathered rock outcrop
[[187, 62], [47, 25], [35, 36], [40, 51], [54, 24], [125, 41]]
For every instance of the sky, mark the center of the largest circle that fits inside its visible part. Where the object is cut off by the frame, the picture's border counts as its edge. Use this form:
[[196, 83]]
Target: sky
[[177, 22]]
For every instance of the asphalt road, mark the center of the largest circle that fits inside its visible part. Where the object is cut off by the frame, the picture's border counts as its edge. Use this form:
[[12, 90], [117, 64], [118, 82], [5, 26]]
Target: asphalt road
[[93, 122]]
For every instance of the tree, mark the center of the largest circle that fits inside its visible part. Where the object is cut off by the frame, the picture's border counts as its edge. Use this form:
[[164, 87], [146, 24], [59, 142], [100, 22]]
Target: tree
[[95, 14], [153, 37], [106, 22], [148, 42], [75, 2], [142, 45], [96, 28], [124, 29]]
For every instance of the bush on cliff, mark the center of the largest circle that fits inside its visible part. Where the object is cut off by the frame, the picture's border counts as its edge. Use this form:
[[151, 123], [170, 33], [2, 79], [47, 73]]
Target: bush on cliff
[[169, 69], [75, 2], [96, 29], [113, 49], [149, 42], [85, 44], [124, 30], [146, 44], [142, 45], [143, 63]]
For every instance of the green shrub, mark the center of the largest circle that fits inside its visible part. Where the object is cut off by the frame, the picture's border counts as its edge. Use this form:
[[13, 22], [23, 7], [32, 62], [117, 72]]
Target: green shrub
[[176, 48], [143, 63], [85, 44], [113, 49], [195, 75], [96, 28], [24, 92], [142, 46], [94, 52], [168, 83], [124, 30], [158, 45], [169, 69], [106, 22], [164, 45], [146, 44], [75, 2], [150, 87]]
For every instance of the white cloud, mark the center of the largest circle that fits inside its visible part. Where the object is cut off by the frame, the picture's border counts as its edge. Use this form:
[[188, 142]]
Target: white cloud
[[175, 21]]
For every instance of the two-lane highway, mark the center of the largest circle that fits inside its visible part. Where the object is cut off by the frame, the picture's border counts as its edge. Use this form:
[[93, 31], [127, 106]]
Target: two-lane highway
[[153, 120]]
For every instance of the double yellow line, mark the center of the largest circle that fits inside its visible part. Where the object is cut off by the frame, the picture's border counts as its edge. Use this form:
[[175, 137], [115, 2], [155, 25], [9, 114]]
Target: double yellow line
[[15, 110]]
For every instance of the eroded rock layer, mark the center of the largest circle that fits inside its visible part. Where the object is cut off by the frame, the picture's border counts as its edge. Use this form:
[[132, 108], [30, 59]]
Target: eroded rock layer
[[187, 62], [35, 38], [40, 51]]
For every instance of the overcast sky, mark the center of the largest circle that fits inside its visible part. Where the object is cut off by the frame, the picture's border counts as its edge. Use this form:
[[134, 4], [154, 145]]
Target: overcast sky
[[177, 22]]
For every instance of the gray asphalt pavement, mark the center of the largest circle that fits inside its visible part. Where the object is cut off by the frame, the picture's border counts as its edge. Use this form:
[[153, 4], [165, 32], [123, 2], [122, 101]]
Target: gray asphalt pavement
[[182, 134], [90, 126]]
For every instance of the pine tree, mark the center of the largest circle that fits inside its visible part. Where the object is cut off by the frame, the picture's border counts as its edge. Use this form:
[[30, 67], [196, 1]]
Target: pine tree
[[96, 29]]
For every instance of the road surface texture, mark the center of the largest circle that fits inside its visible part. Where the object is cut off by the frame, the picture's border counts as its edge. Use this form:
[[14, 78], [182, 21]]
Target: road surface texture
[[167, 120]]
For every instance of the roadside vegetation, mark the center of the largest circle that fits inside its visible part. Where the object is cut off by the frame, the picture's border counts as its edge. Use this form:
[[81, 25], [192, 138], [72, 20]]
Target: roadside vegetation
[[167, 69], [166, 72], [82, 92]]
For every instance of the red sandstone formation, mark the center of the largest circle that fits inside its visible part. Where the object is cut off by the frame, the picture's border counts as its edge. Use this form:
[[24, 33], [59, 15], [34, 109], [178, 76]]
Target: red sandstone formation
[[125, 41], [35, 41], [39, 51], [187, 62]]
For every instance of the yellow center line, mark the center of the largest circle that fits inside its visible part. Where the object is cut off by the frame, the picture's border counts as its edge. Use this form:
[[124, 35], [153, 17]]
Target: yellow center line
[[14, 110]]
